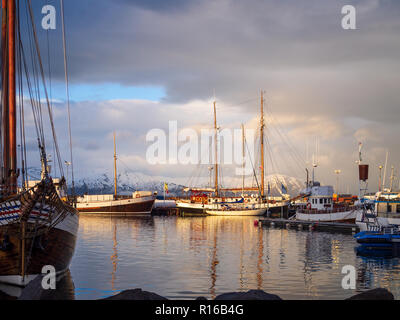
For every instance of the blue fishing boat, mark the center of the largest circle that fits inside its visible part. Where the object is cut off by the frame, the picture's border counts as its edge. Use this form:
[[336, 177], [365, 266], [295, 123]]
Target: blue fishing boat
[[384, 238]]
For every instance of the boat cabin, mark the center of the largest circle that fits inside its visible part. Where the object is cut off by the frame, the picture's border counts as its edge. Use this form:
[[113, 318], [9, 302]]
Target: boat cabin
[[387, 204], [320, 197]]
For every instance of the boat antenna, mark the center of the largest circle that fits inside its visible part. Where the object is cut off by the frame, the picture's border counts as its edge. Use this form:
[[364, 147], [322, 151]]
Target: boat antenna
[[115, 168], [384, 171], [391, 179], [315, 158]]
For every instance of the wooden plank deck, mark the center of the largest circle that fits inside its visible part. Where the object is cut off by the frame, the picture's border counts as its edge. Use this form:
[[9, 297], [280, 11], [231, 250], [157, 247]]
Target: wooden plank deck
[[310, 225]]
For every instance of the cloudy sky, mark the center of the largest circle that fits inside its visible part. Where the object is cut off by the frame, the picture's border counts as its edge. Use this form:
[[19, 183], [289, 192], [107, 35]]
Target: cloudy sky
[[136, 64]]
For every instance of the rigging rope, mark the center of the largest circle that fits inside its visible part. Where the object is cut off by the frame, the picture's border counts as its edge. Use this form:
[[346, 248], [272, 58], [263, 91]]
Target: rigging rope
[[67, 93], [44, 87]]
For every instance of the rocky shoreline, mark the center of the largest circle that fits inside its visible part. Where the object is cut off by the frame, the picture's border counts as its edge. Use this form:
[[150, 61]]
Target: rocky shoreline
[[139, 294], [34, 291]]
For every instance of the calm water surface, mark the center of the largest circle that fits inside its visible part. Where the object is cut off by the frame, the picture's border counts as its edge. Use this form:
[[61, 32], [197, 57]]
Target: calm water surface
[[184, 258]]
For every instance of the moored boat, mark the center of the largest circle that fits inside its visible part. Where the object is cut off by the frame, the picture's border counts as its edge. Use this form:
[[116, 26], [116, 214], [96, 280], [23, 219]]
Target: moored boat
[[321, 207], [203, 200], [140, 203], [38, 226], [382, 212]]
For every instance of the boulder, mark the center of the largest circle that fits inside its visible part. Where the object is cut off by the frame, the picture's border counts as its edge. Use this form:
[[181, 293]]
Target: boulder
[[65, 289], [374, 294], [5, 296], [136, 294], [250, 295]]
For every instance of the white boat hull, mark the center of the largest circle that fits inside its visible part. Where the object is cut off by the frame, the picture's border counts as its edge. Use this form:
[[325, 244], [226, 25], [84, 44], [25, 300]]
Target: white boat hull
[[346, 216]]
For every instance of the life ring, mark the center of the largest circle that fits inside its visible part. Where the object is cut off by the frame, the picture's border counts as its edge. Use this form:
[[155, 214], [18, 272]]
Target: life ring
[[309, 206]]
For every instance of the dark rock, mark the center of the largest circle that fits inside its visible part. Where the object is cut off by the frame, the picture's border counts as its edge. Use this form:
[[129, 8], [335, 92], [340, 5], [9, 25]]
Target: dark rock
[[5, 297], [65, 289], [250, 295], [374, 294], [33, 291], [201, 299], [136, 294]]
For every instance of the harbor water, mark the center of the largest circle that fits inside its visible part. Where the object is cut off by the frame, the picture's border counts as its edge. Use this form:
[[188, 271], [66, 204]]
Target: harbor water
[[184, 258]]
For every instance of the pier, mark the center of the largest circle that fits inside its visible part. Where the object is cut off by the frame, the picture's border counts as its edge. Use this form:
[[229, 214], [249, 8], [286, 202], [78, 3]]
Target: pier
[[310, 225], [165, 208]]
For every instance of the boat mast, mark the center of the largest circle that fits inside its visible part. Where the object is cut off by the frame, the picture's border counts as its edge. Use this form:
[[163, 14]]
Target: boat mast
[[216, 150], [384, 172], [4, 97], [8, 33], [244, 160], [262, 125], [115, 168], [391, 179]]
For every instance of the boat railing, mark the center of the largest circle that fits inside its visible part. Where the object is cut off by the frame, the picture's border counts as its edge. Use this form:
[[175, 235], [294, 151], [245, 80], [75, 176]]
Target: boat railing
[[326, 211]]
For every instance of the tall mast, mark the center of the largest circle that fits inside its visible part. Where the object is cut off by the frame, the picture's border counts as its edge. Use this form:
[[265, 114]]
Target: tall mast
[[262, 125], [12, 97], [243, 158], [216, 150], [9, 120], [4, 94], [115, 168]]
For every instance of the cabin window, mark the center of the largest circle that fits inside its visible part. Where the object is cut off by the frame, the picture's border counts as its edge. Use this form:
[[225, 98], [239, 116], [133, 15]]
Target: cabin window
[[321, 201], [389, 208], [325, 201], [398, 208]]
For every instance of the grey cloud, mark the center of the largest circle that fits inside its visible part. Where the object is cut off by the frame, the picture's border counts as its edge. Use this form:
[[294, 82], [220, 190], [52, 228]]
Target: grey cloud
[[296, 50], [159, 5]]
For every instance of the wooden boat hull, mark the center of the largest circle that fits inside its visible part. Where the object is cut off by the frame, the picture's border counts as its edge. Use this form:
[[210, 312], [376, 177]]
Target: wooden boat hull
[[126, 207], [51, 231], [56, 249]]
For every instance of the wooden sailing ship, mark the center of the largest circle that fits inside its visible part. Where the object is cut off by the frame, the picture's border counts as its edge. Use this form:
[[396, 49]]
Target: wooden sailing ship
[[210, 201], [37, 227], [140, 203]]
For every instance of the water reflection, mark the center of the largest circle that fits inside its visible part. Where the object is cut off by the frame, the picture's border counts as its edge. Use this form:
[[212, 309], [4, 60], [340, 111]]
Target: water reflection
[[114, 257], [184, 258]]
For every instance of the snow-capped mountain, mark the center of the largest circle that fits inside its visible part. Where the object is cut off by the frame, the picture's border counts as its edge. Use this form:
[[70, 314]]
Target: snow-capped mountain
[[129, 182]]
